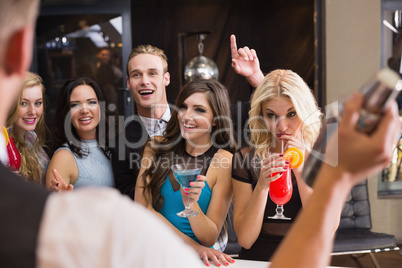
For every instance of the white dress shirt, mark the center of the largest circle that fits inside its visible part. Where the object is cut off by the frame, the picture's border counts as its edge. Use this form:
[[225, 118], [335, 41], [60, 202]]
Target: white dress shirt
[[100, 228], [156, 127]]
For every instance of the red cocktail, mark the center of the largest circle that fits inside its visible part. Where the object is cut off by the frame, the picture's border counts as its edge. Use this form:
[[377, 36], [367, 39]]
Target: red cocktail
[[280, 192], [14, 157]]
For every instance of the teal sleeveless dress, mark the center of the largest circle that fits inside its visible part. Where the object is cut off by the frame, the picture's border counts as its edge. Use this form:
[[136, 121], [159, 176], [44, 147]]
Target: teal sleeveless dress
[[173, 201]]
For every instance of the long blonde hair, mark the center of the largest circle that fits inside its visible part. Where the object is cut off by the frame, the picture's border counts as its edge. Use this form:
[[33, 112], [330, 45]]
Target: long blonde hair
[[30, 165], [288, 84]]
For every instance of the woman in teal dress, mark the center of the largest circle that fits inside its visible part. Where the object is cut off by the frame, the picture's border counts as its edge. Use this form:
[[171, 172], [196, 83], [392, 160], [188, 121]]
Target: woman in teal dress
[[199, 131]]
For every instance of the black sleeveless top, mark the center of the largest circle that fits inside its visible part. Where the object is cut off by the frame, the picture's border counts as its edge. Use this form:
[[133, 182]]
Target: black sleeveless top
[[203, 159], [21, 209], [246, 168]]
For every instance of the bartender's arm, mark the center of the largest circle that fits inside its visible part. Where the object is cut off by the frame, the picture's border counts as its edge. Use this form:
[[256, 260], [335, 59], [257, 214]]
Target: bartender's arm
[[310, 240]]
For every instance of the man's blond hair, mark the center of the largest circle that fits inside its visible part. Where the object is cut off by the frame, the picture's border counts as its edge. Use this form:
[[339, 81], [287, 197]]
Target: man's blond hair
[[148, 49]]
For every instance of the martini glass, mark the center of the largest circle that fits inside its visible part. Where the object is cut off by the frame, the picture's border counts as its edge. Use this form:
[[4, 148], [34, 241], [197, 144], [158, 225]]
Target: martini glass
[[186, 173], [280, 192]]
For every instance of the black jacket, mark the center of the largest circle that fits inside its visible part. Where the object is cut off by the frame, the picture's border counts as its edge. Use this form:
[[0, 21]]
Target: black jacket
[[21, 210], [127, 152]]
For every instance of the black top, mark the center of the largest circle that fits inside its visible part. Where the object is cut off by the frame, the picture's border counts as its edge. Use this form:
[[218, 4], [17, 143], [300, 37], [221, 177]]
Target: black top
[[21, 208], [203, 159], [126, 154], [246, 168]]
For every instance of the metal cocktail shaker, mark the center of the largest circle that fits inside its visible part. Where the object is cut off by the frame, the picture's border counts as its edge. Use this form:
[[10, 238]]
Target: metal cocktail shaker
[[378, 93]]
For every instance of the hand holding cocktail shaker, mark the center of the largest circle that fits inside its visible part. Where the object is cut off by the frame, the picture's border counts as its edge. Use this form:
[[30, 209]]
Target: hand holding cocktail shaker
[[378, 93]]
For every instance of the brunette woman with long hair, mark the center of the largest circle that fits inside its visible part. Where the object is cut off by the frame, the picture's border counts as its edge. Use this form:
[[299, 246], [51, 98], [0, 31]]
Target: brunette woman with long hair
[[81, 137], [199, 131]]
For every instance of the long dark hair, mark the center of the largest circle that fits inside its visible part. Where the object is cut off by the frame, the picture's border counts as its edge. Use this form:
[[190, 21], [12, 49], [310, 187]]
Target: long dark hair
[[63, 109], [173, 143]]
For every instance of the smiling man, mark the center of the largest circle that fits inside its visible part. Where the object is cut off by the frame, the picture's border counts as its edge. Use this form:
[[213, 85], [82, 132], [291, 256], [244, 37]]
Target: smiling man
[[147, 78]]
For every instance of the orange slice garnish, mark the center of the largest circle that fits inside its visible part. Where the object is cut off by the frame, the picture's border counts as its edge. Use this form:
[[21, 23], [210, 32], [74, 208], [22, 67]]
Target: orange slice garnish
[[294, 156]]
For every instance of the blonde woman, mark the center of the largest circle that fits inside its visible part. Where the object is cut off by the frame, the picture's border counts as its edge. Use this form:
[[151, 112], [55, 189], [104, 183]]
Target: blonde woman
[[26, 125], [283, 114]]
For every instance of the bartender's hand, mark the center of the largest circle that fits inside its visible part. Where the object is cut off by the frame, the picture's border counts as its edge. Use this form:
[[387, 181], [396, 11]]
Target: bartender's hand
[[58, 184], [210, 254], [360, 154], [245, 62]]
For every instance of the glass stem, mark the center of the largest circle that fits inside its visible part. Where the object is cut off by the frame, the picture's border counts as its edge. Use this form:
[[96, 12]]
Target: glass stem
[[188, 203], [279, 210]]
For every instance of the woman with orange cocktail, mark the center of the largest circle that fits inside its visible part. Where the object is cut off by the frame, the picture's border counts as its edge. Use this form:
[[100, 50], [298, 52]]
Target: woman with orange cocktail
[[284, 120]]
